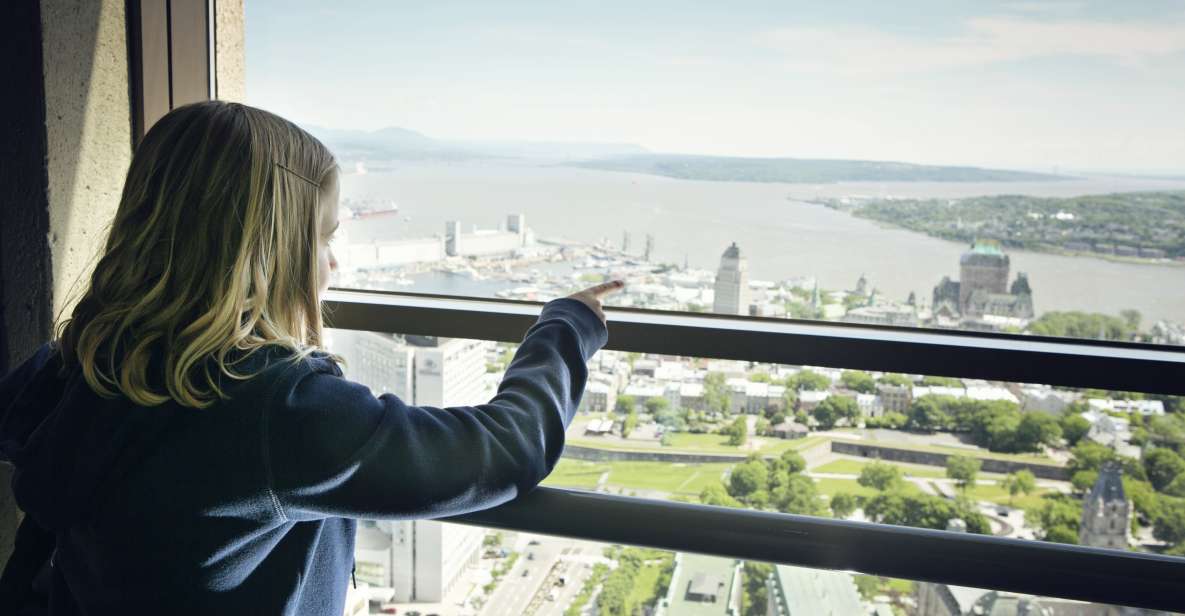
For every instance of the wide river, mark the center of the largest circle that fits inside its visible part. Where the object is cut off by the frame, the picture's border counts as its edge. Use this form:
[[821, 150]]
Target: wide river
[[781, 236]]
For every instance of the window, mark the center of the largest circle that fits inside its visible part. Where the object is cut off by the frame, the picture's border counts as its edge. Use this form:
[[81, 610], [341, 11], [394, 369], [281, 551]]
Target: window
[[714, 157]]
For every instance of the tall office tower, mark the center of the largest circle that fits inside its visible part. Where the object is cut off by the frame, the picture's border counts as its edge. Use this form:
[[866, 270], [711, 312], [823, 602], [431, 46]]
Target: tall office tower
[[421, 560], [452, 238], [983, 268], [382, 362], [732, 283], [517, 224], [1106, 512], [450, 371]]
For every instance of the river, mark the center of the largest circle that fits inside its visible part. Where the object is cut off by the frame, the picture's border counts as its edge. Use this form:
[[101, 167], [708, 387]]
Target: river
[[781, 235]]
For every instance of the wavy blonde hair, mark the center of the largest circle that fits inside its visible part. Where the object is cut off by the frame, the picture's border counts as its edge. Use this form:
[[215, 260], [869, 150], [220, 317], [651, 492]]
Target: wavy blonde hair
[[212, 256]]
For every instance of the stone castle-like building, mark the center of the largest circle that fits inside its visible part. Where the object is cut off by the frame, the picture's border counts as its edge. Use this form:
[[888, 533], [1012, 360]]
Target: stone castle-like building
[[1106, 512], [982, 293]]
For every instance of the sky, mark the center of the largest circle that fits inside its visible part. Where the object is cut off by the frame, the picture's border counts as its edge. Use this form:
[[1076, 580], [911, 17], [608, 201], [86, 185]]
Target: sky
[[1047, 86]]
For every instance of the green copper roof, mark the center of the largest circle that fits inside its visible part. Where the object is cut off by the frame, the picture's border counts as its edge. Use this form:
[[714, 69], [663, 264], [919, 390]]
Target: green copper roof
[[987, 248]]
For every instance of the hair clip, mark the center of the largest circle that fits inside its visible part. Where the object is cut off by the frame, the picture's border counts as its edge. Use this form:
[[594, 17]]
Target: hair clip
[[293, 172]]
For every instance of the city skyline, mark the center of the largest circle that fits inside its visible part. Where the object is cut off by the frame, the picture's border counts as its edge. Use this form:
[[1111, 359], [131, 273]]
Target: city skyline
[[1072, 86]]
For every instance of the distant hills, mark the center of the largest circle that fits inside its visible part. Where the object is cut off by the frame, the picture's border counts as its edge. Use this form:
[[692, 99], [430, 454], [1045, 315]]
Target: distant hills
[[802, 170], [400, 144]]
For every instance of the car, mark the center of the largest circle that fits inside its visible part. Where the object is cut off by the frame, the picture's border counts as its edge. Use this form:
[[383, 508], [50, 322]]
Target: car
[[533, 542], [1002, 512], [530, 556], [526, 572]]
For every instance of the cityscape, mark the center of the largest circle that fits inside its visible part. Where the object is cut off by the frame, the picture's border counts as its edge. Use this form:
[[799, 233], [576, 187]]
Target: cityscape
[[1018, 460]]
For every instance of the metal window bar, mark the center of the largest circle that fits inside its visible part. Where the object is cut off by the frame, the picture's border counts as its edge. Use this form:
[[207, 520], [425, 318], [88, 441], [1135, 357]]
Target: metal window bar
[[1030, 567]]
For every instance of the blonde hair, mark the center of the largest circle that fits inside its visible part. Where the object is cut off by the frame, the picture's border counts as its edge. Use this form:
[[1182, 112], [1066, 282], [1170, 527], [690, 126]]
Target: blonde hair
[[212, 256]]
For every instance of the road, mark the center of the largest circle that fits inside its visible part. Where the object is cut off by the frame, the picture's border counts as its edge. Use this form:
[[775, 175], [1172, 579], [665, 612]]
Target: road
[[524, 590]]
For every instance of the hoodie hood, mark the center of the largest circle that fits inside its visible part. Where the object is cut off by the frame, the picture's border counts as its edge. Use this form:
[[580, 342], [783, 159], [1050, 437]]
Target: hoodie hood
[[65, 441]]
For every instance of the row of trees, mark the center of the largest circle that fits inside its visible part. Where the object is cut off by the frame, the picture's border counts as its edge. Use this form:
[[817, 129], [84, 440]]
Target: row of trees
[[895, 503], [776, 483], [998, 425]]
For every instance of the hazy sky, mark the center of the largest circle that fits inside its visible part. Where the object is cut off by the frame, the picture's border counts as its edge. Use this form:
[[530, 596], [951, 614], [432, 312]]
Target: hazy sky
[[1040, 85]]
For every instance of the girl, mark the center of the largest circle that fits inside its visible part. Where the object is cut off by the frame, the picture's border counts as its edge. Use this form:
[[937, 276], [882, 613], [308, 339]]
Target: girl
[[186, 446]]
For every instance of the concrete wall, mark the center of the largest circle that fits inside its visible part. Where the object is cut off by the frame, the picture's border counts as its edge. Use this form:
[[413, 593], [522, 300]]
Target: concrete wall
[[230, 66], [67, 144], [990, 465], [88, 133]]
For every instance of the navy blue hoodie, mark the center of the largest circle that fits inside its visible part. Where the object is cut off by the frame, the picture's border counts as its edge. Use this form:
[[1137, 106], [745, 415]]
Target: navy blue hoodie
[[249, 506]]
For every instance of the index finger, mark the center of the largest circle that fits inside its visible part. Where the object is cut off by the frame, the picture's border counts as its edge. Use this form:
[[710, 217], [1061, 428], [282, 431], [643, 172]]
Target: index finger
[[606, 288]]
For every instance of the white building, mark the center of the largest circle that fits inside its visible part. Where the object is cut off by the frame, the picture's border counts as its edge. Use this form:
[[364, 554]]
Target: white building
[[382, 362], [869, 405], [480, 242], [449, 372], [1143, 407], [420, 560]]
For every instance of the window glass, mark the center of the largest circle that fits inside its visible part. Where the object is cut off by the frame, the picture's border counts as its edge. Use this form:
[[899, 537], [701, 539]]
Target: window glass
[[1010, 167], [1090, 467]]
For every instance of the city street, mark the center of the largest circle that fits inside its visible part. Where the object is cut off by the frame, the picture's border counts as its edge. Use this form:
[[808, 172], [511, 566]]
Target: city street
[[525, 589]]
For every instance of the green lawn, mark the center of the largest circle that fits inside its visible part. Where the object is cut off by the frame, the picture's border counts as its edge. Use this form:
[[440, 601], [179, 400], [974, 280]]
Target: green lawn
[[686, 479], [643, 591], [996, 494], [686, 442], [576, 474]]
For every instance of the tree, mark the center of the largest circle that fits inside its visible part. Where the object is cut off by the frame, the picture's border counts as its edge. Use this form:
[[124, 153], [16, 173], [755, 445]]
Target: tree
[[794, 461], [963, 469], [716, 396], [941, 381], [1020, 482], [1075, 324], [1170, 524], [808, 380], [715, 494], [657, 404], [625, 404], [1089, 456], [834, 409], [1056, 518], [880, 476], [1176, 487], [799, 496], [759, 377], [756, 592], [1163, 465], [923, 510], [858, 380], [738, 432], [631, 422], [1083, 481], [892, 378], [1036, 429], [763, 427], [1131, 318], [747, 478], [928, 413], [1074, 428], [842, 505]]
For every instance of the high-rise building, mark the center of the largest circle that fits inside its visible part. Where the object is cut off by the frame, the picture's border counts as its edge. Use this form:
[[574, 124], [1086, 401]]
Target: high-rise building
[[420, 560], [382, 362], [1106, 511], [983, 268], [981, 298], [449, 371], [732, 283]]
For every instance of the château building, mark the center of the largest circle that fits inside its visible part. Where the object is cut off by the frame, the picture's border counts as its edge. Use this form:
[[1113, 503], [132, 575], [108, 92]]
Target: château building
[[732, 283], [1106, 511], [982, 294]]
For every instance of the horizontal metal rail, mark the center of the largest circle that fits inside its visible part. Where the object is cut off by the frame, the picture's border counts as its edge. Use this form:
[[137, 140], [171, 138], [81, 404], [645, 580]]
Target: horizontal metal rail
[[999, 357], [992, 563]]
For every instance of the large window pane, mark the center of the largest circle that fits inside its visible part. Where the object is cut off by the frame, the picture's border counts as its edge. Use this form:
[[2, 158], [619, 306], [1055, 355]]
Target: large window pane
[[1019, 460], [716, 156]]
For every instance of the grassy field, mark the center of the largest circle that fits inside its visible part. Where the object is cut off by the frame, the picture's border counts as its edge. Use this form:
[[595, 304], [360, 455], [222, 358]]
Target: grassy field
[[576, 474], [686, 442], [686, 479], [644, 591], [996, 494]]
